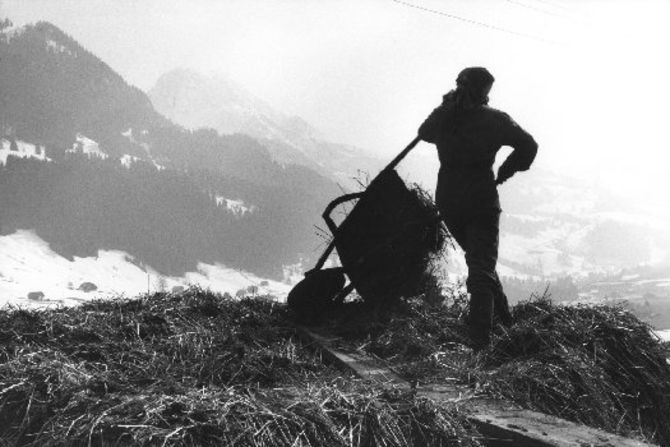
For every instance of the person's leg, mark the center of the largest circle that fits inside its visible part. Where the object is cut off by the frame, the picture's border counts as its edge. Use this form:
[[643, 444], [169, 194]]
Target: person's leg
[[478, 237], [501, 306], [481, 255]]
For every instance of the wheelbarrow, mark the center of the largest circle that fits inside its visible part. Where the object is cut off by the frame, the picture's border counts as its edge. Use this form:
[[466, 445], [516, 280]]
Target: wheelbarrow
[[383, 245]]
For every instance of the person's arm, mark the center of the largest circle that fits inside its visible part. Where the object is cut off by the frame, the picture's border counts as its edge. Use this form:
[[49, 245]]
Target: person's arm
[[429, 130], [524, 150], [431, 127]]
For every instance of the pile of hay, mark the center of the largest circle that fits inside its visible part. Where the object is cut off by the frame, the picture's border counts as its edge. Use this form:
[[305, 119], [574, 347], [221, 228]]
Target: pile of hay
[[192, 369], [596, 365], [419, 340], [388, 240]]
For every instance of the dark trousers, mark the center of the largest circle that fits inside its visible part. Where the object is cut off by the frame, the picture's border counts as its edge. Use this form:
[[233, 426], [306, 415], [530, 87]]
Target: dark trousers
[[478, 237]]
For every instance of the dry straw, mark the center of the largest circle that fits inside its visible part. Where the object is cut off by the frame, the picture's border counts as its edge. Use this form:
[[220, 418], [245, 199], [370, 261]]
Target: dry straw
[[193, 369], [596, 365]]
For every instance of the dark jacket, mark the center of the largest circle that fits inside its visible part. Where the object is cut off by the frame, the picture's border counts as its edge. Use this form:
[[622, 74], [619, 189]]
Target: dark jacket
[[467, 145]]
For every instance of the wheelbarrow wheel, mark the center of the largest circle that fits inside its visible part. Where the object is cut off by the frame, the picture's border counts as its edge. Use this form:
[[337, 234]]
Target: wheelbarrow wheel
[[316, 293]]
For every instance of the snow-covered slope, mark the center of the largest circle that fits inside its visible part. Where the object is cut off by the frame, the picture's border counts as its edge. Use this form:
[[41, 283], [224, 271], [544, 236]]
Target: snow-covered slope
[[28, 266], [664, 335], [20, 149], [236, 206], [85, 145], [558, 225]]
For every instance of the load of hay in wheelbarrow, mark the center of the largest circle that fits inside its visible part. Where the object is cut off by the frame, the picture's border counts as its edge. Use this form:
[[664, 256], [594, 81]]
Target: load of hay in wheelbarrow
[[386, 245]]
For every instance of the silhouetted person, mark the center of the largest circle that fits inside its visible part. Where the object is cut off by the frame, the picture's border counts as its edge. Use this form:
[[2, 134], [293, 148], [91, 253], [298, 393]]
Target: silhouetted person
[[468, 134]]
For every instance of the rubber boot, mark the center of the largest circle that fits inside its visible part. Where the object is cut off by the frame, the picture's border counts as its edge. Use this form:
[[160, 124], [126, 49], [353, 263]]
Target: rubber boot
[[480, 320], [502, 310]]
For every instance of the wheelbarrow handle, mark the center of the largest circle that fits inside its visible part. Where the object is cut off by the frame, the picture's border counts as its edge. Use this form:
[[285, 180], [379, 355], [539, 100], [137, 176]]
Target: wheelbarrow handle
[[331, 206], [332, 227], [403, 154]]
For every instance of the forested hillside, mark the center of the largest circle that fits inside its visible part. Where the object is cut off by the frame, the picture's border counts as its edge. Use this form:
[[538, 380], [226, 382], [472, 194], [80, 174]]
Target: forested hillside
[[150, 187]]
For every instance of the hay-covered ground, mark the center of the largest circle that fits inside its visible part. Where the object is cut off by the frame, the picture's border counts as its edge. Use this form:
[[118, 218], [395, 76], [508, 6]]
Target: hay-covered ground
[[596, 365], [193, 369], [198, 369]]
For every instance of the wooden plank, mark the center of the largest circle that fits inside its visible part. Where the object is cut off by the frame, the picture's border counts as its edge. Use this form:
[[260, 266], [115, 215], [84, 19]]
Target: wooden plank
[[363, 366], [503, 423], [525, 428]]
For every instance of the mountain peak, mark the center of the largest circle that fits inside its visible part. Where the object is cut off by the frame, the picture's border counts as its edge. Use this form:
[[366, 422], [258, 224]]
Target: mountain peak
[[52, 88], [43, 34], [194, 100]]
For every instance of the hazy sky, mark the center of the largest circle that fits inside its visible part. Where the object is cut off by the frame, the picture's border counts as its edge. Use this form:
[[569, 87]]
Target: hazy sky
[[589, 79]]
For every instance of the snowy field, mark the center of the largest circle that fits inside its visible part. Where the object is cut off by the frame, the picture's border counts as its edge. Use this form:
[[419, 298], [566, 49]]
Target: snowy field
[[29, 266], [664, 334], [21, 150]]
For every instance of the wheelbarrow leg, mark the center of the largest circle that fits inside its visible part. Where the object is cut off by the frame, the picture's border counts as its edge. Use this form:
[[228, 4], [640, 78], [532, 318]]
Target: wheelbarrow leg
[[339, 298], [322, 259]]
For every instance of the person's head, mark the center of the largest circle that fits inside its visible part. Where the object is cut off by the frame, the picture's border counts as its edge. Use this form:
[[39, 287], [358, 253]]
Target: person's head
[[475, 83]]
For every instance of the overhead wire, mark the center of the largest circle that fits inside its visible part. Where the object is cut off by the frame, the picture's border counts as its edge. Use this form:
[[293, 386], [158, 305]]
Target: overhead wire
[[533, 8], [570, 14], [474, 22], [554, 4]]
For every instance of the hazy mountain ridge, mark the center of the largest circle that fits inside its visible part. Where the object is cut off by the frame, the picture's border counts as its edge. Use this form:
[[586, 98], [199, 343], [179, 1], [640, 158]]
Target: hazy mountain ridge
[[195, 101], [60, 97], [50, 96], [52, 88], [221, 104]]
